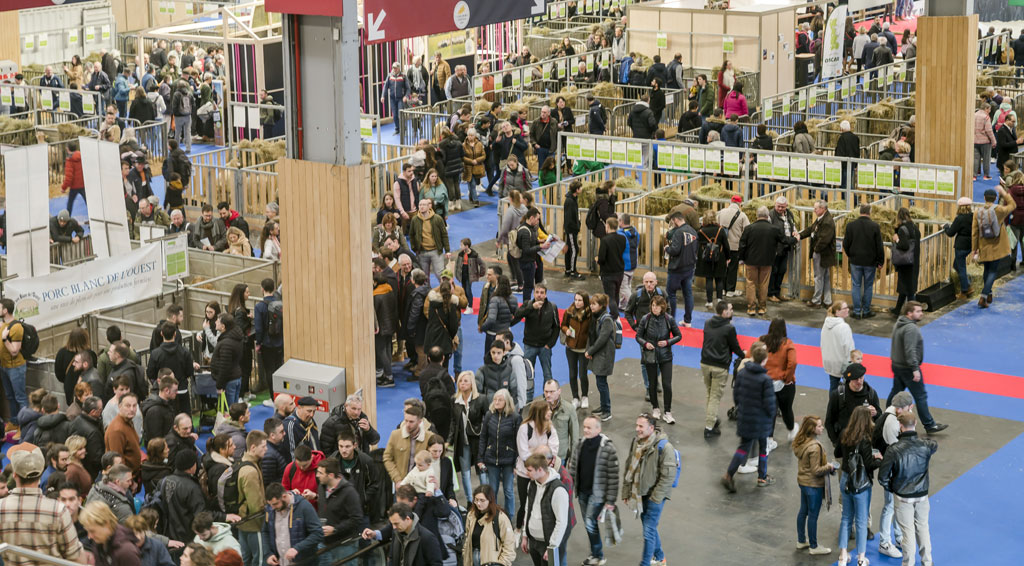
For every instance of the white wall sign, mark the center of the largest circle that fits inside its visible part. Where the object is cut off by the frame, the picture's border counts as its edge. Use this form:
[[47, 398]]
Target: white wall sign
[[28, 211], [101, 167]]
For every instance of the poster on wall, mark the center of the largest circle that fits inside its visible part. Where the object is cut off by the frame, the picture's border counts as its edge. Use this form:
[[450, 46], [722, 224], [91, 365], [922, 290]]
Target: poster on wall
[[96, 285], [452, 44], [832, 55]]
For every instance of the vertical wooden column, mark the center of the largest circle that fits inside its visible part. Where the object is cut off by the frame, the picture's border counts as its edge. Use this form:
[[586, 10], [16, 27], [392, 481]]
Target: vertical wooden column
[[10, 39], [326, 270], [947, 53]]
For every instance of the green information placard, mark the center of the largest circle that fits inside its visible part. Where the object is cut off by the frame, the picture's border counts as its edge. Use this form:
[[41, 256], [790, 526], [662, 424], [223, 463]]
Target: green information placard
[[590, 63], [780, 167], [945, 182], [664, 157], [731, 162], [764, 167], [88, 104], [801, 98], [5, 96], [785, 105], [618, 152], [175, 257], [681, 158], [587, 151], [926, 181], [865, 176], [833, 172], [815, 170], [517, 77], [712, 161], [365, 127], [90, 34], [883, 177], [908, 179], [845, 92], [546, 71], [46, 100], [728, 44], [767, 106], [830, 92], [697, 160], [798, 169], [662, 40], [19, 97], [561, 10], [812, 96], [603, 151], [634, 154], [72, 37], [572, 148]]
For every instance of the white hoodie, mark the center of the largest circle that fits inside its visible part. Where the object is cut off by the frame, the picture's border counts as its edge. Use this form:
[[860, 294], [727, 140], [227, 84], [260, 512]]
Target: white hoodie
[[836, 345], [560, 506]]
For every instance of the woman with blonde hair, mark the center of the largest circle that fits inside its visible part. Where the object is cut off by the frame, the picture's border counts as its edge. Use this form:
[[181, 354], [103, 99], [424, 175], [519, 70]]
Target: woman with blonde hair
[[464, 431], [238, 243], [76, 471], [813, 469], [497, 450], [536, 430], [434, 189], [115, 545]]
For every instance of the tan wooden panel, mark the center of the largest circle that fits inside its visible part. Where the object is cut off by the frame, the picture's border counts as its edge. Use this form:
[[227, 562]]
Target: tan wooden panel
[[707, 49], [326, 271], [787, 67], [946, 91], [10, 48], [747, 55], [646, 18], [677, 26], [770, 68]]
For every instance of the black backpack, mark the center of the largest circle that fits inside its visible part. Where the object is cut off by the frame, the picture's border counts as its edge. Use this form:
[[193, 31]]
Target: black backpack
[[438, 401], [227, 487], [275, 318], [29, 339], [592, 217], [156, 502], [711, 252]]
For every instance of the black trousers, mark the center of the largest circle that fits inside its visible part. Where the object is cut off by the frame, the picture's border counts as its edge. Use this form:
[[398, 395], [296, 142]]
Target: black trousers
[[572, 251], [611, 284], [271, 359], [665, 370], [522, 484], [731, 272], [785, 400], [778, 274]]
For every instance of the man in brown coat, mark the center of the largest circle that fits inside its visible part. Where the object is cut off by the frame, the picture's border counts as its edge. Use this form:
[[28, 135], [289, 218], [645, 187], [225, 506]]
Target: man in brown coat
[[823, 249], [121, 436], [990, 250]]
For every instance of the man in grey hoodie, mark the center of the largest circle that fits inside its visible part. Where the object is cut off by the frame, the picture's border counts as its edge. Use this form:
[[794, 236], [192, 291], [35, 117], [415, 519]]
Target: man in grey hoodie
[[907, 355]]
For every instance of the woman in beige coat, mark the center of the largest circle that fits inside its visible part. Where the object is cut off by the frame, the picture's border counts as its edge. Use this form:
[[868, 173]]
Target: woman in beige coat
[[487, 542], [989, 251], [473, 156]]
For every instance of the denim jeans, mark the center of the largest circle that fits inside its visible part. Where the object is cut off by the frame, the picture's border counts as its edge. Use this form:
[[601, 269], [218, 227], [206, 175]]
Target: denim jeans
[[833, 383], [990, 270], [602, 388], [504, 476], [14, 388], [885, 529], [681, 281], [232, 390], [72, 195], [472, 183], [855, 514], [337, 553], [863, 280], [183, 133], [982, 158], [563, 549], [810, 506], [652, 540], [904, 379], [252, 548], [578, 380], [457, 354], [528, 269], [467, 484], [591, 507], [531, 353], [742, 454], [960, 266]]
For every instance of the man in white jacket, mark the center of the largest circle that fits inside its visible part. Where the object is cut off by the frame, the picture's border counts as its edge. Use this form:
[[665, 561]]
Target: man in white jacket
[[547, 511], [836, 343]]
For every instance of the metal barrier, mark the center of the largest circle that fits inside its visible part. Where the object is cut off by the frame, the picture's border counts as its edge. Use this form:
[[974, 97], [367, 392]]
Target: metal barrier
[[235, 175], [71, 253]]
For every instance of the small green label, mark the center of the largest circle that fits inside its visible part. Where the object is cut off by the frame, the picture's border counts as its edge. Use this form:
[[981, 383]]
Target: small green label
[[865, 176], [681, 158], [833, 172], [665, 157]]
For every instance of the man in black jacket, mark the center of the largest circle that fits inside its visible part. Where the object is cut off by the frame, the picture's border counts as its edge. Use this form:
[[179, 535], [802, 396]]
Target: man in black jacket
[[782, 218], [385, 309], [851, 394], [65, 229], [639, 305], [349, 416], [417, 323], [759, 244], [720, 344], [690, 120], [1007, 141], [904, 472], [119, 357], [357, 467], [89, 425], [412, 543], [157, 410], [716, 122], [848, 145], [682, 263], [612, 264], [571, 229], [181, 438], [175, 316], [175, 357], [544, 135], [862, 244], [184, 499], [596, 119], [657, 70], [526, 240], [277, 456], [541, 330], [341, 511], [641, 119]]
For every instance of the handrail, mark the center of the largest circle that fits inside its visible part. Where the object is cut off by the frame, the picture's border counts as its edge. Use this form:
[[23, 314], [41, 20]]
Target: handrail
[[37, 556]]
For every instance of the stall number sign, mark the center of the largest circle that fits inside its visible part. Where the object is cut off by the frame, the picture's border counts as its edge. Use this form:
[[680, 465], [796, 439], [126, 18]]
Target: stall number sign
[[176, 257], [365, 127], [478, 85], [767, 105], [72, 37], [105, 32], [728, 45], [662, 41]]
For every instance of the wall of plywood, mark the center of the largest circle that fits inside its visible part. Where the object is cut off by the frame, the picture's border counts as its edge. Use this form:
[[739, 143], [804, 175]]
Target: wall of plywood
[[325, 267], [947, 51], [10, 46]]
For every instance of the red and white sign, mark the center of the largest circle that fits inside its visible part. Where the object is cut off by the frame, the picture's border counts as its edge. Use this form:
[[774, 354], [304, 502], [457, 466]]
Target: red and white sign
[[391, 20], [305, 7], [322, 405]]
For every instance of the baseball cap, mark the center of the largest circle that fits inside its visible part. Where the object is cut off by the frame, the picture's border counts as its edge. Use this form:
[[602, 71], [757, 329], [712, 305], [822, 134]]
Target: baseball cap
[[63, 216], [447, 273], [854, 371], [308, 402], [737, 198], [27, 461]]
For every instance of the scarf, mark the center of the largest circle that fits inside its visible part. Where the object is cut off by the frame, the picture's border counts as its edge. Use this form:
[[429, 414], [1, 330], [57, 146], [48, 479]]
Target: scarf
[[632, 478]]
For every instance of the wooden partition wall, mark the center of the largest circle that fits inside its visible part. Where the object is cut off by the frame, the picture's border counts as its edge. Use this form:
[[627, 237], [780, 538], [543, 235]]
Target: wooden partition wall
[[325, 265], [10, 40], [947, 51]]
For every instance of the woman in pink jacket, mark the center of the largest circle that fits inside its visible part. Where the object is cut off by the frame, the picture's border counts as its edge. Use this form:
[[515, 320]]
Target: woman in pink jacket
[[984, 140], [735, 102]]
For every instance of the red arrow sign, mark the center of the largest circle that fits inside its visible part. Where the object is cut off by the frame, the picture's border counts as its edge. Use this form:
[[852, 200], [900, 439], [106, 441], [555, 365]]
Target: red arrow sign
[[391, 20], [306, 7]]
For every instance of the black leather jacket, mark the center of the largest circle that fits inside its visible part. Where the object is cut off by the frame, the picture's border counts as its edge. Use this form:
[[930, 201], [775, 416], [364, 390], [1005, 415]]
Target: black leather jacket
[[904, 470]]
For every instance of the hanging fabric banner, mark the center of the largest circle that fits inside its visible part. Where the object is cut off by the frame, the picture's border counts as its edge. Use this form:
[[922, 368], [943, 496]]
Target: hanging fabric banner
[[832, 58]]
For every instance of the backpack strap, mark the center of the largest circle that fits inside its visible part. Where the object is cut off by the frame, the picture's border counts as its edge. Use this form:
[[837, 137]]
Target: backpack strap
[[734, 218]]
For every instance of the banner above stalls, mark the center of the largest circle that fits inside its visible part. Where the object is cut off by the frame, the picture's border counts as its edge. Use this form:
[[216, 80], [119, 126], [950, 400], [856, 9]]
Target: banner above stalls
[[10, 5], [331, 8], [95, 285]]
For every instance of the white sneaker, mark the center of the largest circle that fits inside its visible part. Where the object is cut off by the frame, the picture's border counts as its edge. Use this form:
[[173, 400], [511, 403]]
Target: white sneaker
[[656, 414], [268, 403], [747, 469], [889, 550], [575, 403], [593, 561], [585, 404], [669, 419], [820, 550], [708, 305], [792, 434], [772, 445]]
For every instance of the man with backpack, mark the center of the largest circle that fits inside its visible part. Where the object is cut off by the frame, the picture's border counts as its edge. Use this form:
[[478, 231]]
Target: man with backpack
[[12, 362], [541, 330], [524, 240], [639, 305], [852, 393], [250, 499], [179, 499], [436, 389], [990, 242], [268, 327], [652, 469], [181, 110], [682, 263]]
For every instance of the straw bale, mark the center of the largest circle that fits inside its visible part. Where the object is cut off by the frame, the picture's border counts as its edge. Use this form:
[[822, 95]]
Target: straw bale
[[569, 92], [25, 135], [750, 207], [606, 93], [662, 201], [68, 131]]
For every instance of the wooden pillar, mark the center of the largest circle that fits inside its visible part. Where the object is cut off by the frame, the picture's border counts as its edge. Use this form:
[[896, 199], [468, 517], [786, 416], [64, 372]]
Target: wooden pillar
[[325, 266], [947, 53], [10, 40]]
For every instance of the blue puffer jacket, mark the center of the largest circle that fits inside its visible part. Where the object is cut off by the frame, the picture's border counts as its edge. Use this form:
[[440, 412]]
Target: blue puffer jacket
[[498, 439], [755, 402], [304, 530], [632, 246]]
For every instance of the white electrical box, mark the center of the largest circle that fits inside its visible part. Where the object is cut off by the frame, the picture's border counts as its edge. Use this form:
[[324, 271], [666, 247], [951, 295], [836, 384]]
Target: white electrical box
[[326, 384]]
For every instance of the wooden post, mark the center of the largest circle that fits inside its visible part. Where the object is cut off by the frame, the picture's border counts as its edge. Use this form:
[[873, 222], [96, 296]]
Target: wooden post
[[947, 53], [325, 267]]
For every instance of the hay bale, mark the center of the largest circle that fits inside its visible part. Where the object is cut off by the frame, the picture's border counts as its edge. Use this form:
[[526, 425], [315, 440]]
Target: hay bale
[[481, 106], [884, 110], [661, 202], [16, 132], [522, 105], [569, 92], [606, 93], [709, 193], [750, 207], [641, 62], [69, 131], [588, 191]]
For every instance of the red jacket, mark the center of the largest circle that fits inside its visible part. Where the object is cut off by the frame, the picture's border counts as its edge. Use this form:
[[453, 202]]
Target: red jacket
[[73, 177], [296, 479]]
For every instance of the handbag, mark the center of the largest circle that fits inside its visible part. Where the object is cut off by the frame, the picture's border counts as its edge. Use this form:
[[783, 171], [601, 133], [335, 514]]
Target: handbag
[[858, 478], [903, 258], [222, 410]]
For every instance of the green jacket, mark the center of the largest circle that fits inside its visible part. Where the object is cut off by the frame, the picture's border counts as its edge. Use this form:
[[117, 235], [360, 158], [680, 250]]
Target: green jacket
[[440, 232], [251, 497], [657, 470], [567, 425], [159, 217]]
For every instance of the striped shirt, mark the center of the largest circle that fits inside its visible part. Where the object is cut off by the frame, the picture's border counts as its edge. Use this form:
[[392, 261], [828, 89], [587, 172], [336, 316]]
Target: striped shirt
[[33, 522]]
